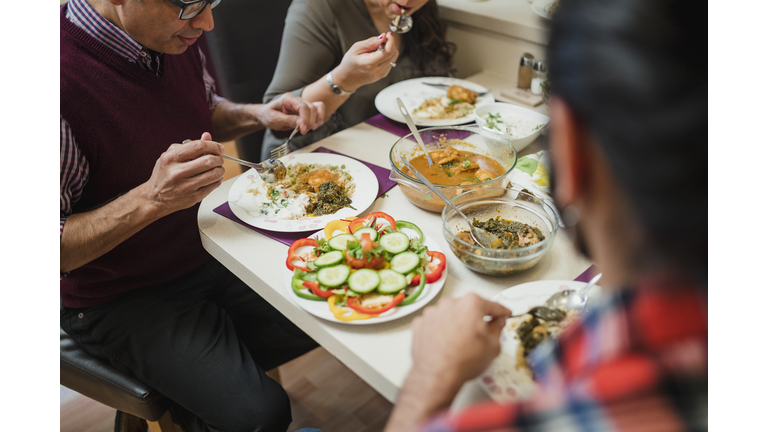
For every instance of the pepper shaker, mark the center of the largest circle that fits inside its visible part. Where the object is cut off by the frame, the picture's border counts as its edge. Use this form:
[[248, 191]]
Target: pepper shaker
[[539, 76], [525, 73]]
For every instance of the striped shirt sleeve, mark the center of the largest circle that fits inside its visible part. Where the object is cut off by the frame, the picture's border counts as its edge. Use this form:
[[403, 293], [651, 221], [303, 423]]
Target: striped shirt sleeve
[[73, 172]]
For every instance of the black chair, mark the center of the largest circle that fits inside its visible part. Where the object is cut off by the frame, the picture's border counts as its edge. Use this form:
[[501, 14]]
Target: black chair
[[103, 383], [244, 46]]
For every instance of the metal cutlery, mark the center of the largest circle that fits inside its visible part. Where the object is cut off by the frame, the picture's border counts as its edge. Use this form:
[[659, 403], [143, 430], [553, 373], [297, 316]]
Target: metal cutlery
[[445, 86], [282, 149], [479, 235], [270, 171], [414, 130]]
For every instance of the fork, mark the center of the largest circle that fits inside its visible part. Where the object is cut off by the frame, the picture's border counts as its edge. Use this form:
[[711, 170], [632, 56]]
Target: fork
[[282, 149], [270, 171]]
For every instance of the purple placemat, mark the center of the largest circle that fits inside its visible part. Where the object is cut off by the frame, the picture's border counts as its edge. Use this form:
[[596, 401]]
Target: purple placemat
[[382, 175], [401, 130], [588, 274], [381, 122]]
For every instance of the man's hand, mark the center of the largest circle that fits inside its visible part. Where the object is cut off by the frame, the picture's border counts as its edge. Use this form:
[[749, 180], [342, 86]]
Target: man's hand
[[452, 339], [184, 175], [452, 343], [288, 111]]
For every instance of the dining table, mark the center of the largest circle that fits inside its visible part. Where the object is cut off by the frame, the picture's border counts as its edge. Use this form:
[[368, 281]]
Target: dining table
[[380, 353]]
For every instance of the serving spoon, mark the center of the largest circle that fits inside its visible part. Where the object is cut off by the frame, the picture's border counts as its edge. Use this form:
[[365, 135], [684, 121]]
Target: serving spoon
[[479, 235], [414, 129]]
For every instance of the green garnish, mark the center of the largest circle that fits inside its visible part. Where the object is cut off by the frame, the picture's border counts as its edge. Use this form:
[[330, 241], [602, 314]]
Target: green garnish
[[492, 120], [465, 163]]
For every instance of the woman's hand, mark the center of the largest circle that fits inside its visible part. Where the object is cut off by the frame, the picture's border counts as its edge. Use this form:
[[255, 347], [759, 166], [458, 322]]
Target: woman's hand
[[364, 63]]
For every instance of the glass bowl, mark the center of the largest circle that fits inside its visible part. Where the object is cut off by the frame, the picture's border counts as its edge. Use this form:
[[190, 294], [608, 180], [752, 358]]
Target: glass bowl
[[466, 138], [512, 204]]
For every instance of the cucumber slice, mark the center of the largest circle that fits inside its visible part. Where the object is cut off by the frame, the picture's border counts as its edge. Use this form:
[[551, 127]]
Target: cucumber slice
[[404, 263], [391, 282], [328, 259], [374, 234], [395, 242], [339, 242], [333, 276], [363, 281]]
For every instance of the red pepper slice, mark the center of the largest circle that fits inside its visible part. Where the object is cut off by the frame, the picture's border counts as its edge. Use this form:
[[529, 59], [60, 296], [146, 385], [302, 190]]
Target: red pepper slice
[[355, 304], [361, 221], [292, 256], [314, 286], [435, 268]]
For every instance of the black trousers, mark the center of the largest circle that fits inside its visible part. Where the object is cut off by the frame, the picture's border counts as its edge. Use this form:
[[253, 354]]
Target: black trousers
[[205, 342]]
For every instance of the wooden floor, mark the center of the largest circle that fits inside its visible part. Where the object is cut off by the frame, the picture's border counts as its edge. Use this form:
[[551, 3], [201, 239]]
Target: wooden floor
[[324, 393]]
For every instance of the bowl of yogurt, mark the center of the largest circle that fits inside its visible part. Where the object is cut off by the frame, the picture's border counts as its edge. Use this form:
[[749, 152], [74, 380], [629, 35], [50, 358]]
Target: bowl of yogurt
[[521, 125]]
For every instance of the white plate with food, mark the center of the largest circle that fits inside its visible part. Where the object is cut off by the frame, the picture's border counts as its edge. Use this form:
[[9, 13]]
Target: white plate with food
[[544, 8], [393, 280], [508, 378], [432, 101], [296, 204]]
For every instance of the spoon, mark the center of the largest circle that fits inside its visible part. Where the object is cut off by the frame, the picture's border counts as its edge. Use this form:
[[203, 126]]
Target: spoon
[[414, 130], [480, 236], [401, 23], [572, 299]]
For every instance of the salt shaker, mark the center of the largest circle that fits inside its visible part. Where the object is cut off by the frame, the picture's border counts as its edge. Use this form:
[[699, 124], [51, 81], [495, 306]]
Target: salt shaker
[[525, 73], [539, 76]]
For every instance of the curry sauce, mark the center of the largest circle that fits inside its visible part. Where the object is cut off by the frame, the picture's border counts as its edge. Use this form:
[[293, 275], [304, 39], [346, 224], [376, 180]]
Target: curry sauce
[[453, 167]]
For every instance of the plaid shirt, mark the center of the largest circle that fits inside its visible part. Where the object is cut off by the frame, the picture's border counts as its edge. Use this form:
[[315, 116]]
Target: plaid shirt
[[637, 362], [73, 166]]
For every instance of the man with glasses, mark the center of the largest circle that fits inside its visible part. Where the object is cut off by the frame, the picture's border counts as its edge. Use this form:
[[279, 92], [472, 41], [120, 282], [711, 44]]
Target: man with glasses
[[137, 288]]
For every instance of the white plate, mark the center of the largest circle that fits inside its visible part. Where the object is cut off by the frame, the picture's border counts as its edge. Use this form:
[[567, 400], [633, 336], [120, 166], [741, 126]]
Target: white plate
[[413, 93], [540, 7], [321, 310], [504, 384], [366, 188]]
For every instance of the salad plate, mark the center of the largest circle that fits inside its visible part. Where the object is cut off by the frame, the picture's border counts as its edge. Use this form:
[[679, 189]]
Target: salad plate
[[322, 310], [245, 206], [414, 92]]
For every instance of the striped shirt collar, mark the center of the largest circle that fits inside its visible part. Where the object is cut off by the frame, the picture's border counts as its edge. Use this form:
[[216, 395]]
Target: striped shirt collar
[[83, 15]]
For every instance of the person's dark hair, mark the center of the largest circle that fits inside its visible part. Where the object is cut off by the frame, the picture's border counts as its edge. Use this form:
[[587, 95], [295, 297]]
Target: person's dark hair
[[426, 44], [634, 72]]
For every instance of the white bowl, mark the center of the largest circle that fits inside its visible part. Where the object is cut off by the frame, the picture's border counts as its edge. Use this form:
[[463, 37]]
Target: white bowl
[[507, 109]]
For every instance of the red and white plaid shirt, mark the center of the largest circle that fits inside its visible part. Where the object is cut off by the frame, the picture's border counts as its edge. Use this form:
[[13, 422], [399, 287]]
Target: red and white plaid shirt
[[636, 362], [73, 166]]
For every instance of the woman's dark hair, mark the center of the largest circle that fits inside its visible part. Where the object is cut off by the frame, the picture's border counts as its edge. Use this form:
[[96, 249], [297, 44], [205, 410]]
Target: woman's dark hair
[[634, 72], [426, 44]]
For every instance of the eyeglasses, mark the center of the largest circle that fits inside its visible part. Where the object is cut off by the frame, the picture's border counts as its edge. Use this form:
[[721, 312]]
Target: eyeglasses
[[191, 9]]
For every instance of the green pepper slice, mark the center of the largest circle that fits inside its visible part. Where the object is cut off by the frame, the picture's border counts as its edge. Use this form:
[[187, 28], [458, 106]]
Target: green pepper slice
[[414, 295], [297, 285], [405, 224]]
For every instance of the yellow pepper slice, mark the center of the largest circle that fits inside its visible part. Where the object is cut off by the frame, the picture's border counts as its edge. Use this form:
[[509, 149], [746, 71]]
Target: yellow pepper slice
[[337, 225], [345, 313]]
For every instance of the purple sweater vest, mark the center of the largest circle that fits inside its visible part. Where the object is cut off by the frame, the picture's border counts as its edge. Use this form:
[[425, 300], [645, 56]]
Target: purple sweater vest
[[124, 118]]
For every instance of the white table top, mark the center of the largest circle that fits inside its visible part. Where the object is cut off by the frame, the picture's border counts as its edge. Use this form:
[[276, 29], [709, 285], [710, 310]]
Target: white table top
[[380, 353]]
